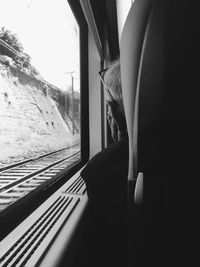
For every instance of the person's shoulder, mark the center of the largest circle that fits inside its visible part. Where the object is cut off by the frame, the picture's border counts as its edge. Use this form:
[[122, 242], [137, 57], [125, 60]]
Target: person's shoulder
[[113, 155], [113, 149]]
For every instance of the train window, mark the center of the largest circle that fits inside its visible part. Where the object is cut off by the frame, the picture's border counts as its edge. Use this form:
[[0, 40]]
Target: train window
[[39, 95]]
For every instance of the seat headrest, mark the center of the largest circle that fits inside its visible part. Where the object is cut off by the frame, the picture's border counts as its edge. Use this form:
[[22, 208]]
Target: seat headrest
[[160, 71], [131, 45]]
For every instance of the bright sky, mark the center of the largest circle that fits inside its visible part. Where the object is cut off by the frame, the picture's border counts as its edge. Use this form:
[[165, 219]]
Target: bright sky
[[49, 33]]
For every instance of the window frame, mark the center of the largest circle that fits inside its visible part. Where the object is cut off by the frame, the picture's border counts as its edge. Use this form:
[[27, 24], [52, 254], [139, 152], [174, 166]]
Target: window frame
[[22, 208]]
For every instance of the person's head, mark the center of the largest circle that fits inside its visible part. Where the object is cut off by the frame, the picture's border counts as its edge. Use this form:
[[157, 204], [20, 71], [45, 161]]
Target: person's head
[[112, 79]]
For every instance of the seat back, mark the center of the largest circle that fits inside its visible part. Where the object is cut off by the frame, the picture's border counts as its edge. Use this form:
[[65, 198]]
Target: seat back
[[159, 52], [160, 76]]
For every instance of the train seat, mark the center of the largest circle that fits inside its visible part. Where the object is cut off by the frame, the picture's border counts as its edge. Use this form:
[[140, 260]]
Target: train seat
[[159, 52]]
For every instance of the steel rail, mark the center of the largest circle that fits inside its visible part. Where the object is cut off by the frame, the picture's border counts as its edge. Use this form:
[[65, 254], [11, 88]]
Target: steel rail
[[35, 158], [16, 184]]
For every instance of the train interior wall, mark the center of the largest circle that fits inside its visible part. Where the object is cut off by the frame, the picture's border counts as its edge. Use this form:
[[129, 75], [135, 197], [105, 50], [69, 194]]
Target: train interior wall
[[94, 98]]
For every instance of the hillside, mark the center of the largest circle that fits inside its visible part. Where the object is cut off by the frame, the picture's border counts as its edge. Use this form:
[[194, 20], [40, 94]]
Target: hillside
[[31, 122]]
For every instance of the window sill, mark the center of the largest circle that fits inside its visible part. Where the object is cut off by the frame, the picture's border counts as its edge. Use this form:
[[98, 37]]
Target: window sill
[[44, 236]]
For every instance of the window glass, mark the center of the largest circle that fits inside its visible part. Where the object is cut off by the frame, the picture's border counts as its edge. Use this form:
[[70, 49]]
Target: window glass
[[39, 94]]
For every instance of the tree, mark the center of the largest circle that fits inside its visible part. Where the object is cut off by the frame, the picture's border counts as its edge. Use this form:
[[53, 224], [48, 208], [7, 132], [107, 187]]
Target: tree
[[33, 70], [26, 61], [11, 39]]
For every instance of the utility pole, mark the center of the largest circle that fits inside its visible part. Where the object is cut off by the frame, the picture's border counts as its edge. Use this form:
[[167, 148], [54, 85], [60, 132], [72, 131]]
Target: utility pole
[[73, 115]]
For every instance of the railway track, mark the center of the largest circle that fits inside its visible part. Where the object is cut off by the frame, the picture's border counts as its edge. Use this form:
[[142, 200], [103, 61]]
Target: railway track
[[19, 179]]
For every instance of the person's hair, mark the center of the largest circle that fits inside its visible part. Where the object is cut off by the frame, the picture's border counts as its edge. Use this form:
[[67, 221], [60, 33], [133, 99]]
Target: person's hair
[[112, 79]]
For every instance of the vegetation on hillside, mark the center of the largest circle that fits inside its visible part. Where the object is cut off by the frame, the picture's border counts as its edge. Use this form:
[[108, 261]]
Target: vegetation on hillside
[[23, 59], [69, 107]]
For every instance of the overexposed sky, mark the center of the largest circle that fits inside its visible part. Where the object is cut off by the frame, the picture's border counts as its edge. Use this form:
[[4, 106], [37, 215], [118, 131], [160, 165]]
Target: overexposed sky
[[48, 32]]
